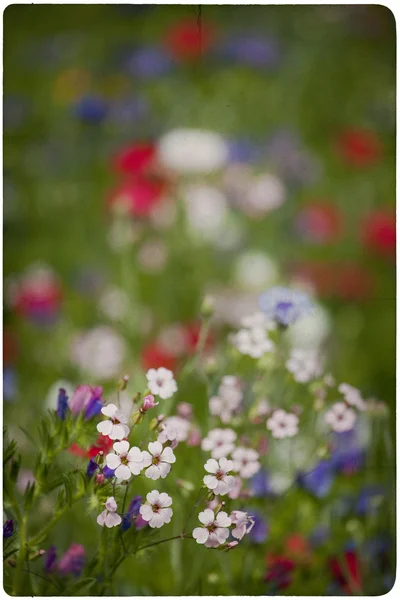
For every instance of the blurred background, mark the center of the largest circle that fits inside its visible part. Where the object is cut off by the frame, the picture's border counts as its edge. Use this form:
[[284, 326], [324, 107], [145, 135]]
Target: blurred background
[[155, 154]]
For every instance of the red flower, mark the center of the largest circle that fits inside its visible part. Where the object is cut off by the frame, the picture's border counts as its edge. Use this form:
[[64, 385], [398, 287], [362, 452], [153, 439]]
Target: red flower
[[135, 159], [188, 40], [359, 148], [348, 575], [298, 547], [192, 332], [139, 196], [154, 356], [279, 571], [320, 222], [103, 444], [378, 232]]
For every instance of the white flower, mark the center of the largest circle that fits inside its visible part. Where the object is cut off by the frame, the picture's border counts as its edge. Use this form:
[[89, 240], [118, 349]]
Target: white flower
[[264, 194], [340, 417], [219, 481], [206, 211], [114, 303], [100, 352], [158, 460], [109, 516], [215, 530], [125, 462], [152, 256], [115, 427], [352, 395], [245, 462], [175, 426], [161, 382], [311, 330], [257, 319], [220, 442], [156, 511], [173, 339], [304, 365], [253, 342], [228, 400], [244, 523], [255, 271], [283, 424], [192, 151]]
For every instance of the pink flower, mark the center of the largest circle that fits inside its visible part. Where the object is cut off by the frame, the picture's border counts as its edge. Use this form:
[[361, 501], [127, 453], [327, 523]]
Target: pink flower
[[148, 402], [72, 561], [83, 396]]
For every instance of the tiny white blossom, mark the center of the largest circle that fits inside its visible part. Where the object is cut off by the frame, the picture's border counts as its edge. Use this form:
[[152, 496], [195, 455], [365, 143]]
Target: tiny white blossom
[[158, 460], [304, 365], [257, 319], [161, 382], [109, 516], [125, 462], [253, 342], [215, 528], [228, 399], [243, 522], [174, 428], [115, 427], [245, 462], [340, 417], [156, 511], [219, 441], [219, 481], [352, 396], [283, 424]]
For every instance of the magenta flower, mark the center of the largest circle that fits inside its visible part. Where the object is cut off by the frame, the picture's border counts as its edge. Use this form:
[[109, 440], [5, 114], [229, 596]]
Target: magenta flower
[[72, 561], [148, 402], [88, 399]]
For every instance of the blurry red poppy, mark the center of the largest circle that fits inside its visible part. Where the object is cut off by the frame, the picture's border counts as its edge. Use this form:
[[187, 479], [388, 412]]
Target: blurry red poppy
[[154, 356], [378, 232], [320, 222], [347, 572], [189, 39], [135, 159], [139, 196], [359, 148]]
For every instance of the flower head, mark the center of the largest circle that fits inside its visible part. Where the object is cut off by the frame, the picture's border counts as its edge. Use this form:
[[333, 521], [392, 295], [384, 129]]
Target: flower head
[[219, 481], [148, 402], [283, 424], [284, 305], [125, 462], [161, 382], [340, 417], [352, 396], [158, 460], [62, 404], [243, 522], [91, 468], [109, 516], [304, 365], [193, 151], [253, 342], [215, 528], [156, 511], [8, 529], [72, 562], [228, 400], [133, 511], [245, 462], [115, 427], [220, 442]]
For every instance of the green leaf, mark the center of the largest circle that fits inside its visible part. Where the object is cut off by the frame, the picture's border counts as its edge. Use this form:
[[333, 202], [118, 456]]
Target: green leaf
[[68, 489]]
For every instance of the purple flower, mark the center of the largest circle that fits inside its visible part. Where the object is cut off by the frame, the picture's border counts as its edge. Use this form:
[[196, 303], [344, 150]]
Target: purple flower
[[91, 468], [319, 535], [8, 529], [293, 163], [127, 110], [284, 305], [87, 399], [319, 480], [348, 456], [107, 472], [243, 151], [252, 50], [72, 562], [62, 404], [259, 532], [133, 511], [260, 484], [50, 559], [149, 62], [9, 384], [370, 499], [91, 109]]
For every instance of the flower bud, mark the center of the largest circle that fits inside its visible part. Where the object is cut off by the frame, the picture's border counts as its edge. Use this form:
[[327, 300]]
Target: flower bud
[[231, 545], [123, 383], [187, 486], [207, 307], [185, 410], [136, 398], [148, 402], [100, 479], [137, 417], [210, 366]]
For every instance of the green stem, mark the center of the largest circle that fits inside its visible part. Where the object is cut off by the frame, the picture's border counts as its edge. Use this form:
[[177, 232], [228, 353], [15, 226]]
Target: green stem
[[21, 556]]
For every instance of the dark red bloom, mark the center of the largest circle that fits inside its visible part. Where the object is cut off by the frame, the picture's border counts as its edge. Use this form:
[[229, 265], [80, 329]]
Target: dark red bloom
[[188, 40], [154, 356], [346, 572], [378, 232], [359, 148], [279, 571], [319, 222], [139, 196], [135, 159]]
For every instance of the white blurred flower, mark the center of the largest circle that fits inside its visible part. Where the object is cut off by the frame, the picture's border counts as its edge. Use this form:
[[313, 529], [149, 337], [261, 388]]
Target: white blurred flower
[[109, 516], [219, 441], [179, 425], [158, 460], [114, 303], [311, 330], [253, 342], [126, 461], [152, 256], [194, 151], [122, 233], [219, 481], [162, 215], [257, 319], [245, 462], [215, 528], [206, 210], [304, 365], [156, 510], [340, 417], [100, 352], [255, 271], [264, 194], [283, 424], [173, 339], [243, 523], [352, 396], [228, 400], [161, 382], [115, 426]]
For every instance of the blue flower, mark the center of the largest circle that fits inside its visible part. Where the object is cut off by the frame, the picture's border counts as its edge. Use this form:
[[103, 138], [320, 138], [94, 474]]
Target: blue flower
[[108, 473], [94, 407], [242, 151], [348, 456], [9, 384], [62, 404], [50, 559], [252, 50], [319, 480], [91, 109], [149, 61], [259, 532], [284, 305], [260, 484], [8, 529], [370, 499], [133, 511], [91, 468]]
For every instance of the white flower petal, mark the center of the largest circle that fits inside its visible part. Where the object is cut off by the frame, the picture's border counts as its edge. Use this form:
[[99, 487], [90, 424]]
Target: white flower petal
[[113, 461], [207, 516], [200, 534], [104, 427], [109, 410], [123, 472]]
